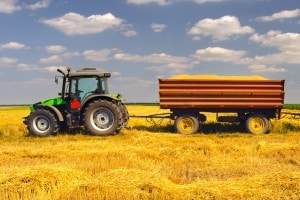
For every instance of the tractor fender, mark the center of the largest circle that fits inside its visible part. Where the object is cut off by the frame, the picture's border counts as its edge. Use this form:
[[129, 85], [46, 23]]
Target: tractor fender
[[97, 96], [56, 111]]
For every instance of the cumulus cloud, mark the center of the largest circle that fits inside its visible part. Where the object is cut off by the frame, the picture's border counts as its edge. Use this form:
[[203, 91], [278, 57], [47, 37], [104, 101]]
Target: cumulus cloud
[[206, 1], [158, 27], [51, 59], [283, 41], [159, 61], [286, 43], [9, 6], [263, 68], [127, 30], [54, 68], [143, 2], [99, 55], [39, 5], [152, 58], [168, 2], [13, 45], [59, 57], [7, 61], [219, 29], [218, 54], [76, 24], [55, 49], [26, 67], [285, 14]]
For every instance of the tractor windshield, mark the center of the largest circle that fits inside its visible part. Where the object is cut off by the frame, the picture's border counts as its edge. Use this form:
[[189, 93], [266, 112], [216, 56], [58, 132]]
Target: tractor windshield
[[80, 87]]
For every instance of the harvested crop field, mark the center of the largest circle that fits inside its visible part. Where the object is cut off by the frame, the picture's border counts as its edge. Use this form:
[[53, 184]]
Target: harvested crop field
[[148, 161]]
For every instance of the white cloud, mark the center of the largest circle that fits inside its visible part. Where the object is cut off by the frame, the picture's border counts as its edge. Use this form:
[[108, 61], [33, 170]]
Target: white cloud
[[218, 54], [9, 6], [286, 43], [70, 54], [99, 55], [219, 29], [59, 57], [116, 73], [285, 14], [51, 59], [54, 68], [55, 49], [283, 41], [129, 33], [206, 1], [13, 45], [285, 57], [152, 58], [7, 61], [158, 2], [76, 24], [26, 67], [158, 27], [168, 2], [263, 68], [38, 5], [159, 61]]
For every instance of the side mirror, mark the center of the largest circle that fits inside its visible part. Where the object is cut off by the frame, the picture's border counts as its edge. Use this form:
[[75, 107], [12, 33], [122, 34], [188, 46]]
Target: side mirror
[[56, 80]]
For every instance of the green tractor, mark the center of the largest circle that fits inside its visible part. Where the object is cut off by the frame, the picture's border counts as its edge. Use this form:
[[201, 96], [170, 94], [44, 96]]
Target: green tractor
[[83, 101]]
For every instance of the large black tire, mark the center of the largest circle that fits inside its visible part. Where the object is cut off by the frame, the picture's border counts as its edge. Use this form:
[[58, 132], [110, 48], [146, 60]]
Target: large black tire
[[125, 115], [102, 117], [257, 124], [42, 123], [186, 124]]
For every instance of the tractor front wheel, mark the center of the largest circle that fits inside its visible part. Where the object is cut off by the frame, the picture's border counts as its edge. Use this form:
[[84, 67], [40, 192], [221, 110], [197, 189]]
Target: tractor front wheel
[[102, 117], [42, 123]]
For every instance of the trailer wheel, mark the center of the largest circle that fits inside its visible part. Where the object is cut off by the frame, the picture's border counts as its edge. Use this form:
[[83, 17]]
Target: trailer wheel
[[257, 124], [186, 124]]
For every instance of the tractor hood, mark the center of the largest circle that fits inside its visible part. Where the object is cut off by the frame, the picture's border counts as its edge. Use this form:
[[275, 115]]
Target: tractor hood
[[51, 102]]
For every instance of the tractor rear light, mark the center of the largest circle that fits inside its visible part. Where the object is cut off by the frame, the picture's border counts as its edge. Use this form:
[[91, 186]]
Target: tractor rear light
[[75, 104]]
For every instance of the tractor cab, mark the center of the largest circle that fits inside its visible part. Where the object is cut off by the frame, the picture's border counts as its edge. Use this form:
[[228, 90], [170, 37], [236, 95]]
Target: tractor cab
[[86, 82], [83, 83]]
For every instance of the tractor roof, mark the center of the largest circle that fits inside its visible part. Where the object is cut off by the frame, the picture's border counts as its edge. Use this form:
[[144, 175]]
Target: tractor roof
[[90, 71]]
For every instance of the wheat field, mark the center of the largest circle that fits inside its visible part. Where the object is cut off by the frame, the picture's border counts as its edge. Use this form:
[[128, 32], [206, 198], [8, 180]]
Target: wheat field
[[148, 161]]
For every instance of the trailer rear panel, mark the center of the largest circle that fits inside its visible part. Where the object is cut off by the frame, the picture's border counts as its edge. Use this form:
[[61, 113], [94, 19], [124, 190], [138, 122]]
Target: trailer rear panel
[[216, 94]]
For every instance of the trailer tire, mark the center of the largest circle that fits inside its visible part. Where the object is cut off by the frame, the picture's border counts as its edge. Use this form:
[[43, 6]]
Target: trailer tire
[[186, 124], [257, 124]]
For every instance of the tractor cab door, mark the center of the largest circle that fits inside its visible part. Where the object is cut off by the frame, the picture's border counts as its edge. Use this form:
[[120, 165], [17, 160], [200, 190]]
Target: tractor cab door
[[80, 87]]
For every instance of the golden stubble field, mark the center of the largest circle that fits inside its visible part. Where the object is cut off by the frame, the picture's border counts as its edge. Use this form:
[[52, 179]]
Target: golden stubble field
[[149, 162]]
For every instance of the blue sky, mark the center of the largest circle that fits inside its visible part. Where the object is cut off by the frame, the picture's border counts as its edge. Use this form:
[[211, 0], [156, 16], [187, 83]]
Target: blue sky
[[139, 41]]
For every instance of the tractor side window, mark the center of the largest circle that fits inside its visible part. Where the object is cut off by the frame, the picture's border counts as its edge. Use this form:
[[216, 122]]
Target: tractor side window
[[81, 87]]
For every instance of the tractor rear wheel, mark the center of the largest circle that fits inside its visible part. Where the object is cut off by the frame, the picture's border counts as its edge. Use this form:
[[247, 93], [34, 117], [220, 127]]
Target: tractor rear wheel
[[42, 123], [102, 117], [186, 124], [125, 117]]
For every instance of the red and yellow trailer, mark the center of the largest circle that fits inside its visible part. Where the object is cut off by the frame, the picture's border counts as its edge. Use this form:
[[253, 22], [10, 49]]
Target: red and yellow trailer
[[253, 100]]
